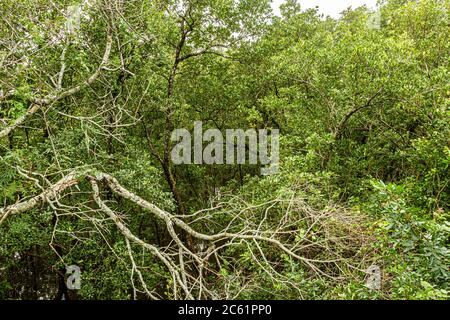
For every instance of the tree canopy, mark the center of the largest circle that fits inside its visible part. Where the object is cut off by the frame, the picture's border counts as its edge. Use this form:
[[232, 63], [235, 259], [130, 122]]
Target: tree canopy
[[90, 92]]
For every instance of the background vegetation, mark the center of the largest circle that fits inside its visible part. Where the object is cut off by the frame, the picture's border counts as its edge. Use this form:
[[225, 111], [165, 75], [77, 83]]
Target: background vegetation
[[90, 92]]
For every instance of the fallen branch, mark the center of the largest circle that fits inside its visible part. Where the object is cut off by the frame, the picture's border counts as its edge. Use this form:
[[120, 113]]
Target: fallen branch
[[187, 268]]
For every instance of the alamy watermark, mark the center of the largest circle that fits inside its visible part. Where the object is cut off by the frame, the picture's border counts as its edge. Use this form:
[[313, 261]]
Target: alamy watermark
[[374, 20], [74, 279], [373, 281], [236, 147]]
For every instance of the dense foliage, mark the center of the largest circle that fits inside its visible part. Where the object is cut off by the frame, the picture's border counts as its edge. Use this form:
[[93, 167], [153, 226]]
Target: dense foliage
[[97, 86]]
